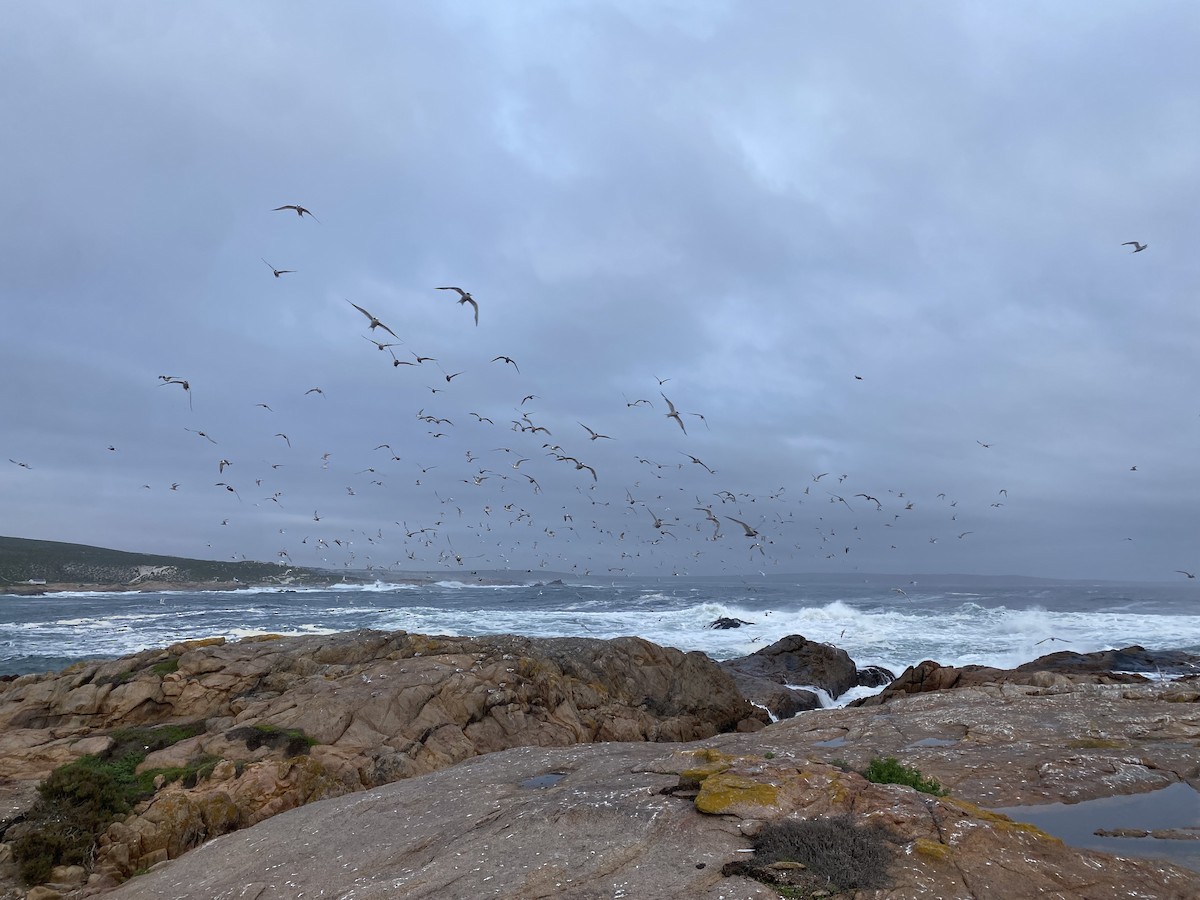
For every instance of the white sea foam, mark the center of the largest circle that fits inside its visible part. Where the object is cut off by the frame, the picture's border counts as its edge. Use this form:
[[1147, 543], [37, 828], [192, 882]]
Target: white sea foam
[[1000, 628]]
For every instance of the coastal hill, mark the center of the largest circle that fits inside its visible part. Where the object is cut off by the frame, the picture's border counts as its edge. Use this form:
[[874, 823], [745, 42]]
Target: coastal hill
[[28, 564]]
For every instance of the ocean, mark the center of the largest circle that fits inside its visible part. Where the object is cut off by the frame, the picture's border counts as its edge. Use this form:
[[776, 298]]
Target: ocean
[[883, 620]]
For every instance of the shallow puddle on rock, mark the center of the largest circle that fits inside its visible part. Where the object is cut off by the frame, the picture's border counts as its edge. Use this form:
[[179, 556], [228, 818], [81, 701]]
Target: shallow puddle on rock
[[932, 742], [1176, 806], [834, 742], [543, 781]]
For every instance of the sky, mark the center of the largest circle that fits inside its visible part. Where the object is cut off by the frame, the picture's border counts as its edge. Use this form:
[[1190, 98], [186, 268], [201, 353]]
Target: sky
[[874, 255]]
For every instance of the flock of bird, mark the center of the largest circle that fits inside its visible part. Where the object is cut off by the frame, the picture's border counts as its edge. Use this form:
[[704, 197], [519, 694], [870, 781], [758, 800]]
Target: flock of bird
[[526, 495]]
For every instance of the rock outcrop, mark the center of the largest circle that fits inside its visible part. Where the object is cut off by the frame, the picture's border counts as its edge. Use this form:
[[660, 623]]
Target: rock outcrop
[[1125, 666], [284, 722], [276, 733], [641, 820], [770, 676]]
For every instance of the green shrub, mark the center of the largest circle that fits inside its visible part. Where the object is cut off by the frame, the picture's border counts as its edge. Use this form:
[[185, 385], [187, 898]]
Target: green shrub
[[119, 678], [166, 667], [292, 741], [78, 801], [888, 770]]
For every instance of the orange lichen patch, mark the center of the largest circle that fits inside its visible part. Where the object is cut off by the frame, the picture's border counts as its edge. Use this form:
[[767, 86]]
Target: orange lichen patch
[[722, 792], [998, 821], [259, 638], [184, 646]]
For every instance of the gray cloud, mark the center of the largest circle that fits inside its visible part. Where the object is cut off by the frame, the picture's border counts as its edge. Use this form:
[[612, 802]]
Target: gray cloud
[[860, 242]]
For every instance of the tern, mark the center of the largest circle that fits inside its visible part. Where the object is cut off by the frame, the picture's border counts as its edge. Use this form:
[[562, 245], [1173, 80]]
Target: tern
[[464, 297], [187, 388], [300, 211], [750, 532], [509, 360], [1137, 248], [375, 323], [594, 434], [673, 414], [277, 272]]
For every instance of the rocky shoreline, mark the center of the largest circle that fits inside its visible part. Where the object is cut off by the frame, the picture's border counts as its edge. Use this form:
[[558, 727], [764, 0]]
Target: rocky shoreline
[[371, 722]]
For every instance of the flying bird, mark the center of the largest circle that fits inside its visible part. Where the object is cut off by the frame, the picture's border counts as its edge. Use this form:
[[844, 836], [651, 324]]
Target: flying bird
[[375, 323], [1188, 574], [594, 434], [674, 413], [23, 465], [464, 297], [187, 388], [300, 211], [750, 532], [1137, 248], [277, 272], [509, 360]]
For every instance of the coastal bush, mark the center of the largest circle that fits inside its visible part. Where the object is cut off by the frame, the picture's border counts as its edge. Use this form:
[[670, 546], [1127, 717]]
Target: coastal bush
[[292, 741], [119, 678], [889, 770], [78, 801], [166, 667], [806, 857]]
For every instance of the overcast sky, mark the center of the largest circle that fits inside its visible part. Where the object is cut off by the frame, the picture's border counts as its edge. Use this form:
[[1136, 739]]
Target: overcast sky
[[880, 241]]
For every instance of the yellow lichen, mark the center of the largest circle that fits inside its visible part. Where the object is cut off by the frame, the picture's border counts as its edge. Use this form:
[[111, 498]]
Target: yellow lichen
[[721, 792], [935, 849], [1000, 822], [709, 762]]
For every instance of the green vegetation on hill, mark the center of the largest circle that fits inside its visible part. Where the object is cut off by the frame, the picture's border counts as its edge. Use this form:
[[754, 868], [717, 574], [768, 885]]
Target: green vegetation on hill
[[22, 560]]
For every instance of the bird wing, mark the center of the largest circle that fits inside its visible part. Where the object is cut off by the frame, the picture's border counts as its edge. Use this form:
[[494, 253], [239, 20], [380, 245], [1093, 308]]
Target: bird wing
[[452, 288]]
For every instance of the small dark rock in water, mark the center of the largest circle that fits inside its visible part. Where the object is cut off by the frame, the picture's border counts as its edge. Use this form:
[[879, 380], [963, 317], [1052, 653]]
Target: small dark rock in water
[[875, 676], [726, 622]]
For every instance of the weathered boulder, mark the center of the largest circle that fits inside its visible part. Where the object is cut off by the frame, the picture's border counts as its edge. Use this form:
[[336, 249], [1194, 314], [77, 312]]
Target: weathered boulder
[[1128, 659], [796, 662]]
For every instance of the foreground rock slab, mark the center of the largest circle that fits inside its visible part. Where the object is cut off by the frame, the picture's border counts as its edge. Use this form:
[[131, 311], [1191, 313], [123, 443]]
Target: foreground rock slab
[[618, 820], [593, 821]]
